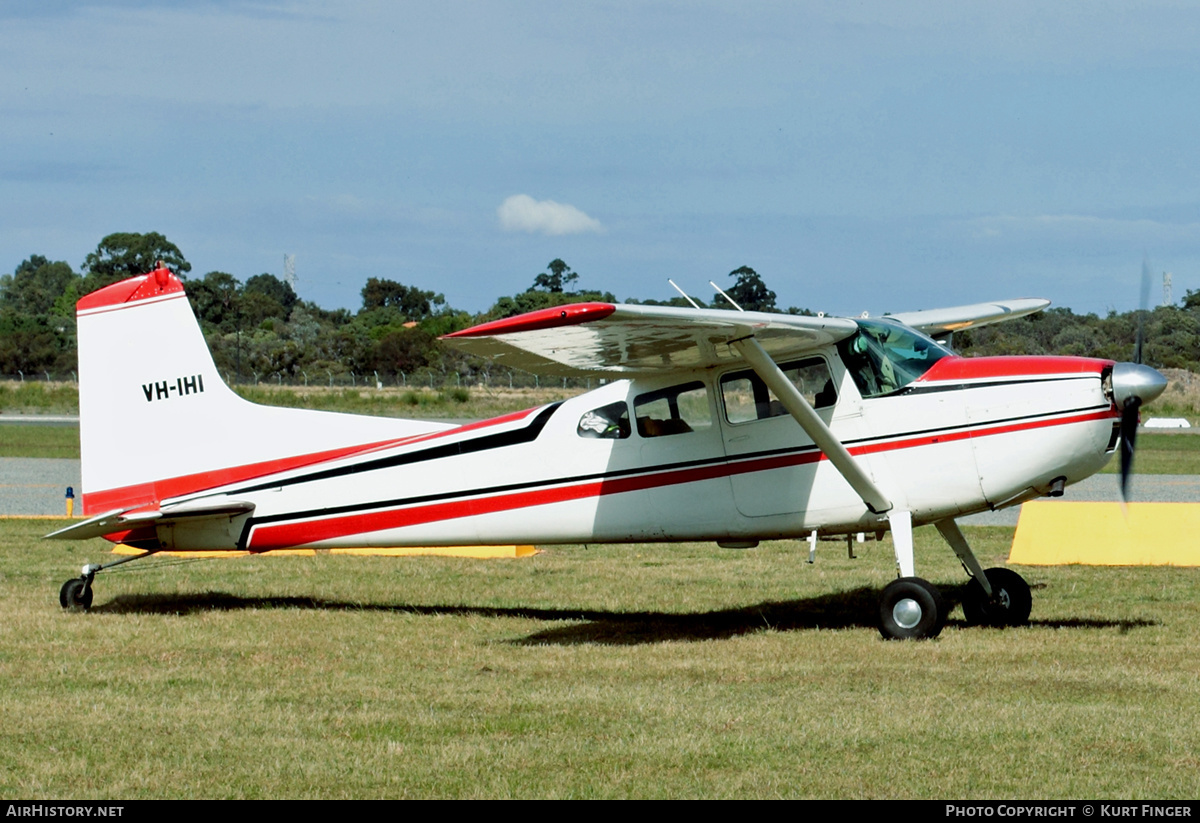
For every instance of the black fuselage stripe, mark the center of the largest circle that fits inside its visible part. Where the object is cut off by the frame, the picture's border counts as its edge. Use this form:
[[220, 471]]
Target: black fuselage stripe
[[935, 388], [484, 443]]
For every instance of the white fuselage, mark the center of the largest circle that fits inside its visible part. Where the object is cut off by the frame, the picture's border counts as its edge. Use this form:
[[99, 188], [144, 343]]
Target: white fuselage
[[975, 435]]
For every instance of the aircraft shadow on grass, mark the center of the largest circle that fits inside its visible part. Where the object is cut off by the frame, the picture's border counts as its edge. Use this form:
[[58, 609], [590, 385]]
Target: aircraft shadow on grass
[[840, 610]]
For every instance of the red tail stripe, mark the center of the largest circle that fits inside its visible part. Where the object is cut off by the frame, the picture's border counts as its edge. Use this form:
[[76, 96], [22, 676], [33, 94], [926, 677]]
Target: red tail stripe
[[154, 284]]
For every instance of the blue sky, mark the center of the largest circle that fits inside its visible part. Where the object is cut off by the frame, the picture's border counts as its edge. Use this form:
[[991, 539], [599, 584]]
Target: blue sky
[[874, 156]]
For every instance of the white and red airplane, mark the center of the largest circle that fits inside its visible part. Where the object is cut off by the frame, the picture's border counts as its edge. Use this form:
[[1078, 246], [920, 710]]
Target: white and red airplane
[[717, 425]]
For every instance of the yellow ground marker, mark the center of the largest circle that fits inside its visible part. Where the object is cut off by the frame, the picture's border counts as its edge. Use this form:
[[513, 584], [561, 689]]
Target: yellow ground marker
[[482, 552], [1104, 534]]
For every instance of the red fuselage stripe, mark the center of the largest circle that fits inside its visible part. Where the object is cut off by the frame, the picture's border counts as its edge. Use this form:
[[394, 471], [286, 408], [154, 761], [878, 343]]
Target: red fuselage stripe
[[950, 369], [284, 535]]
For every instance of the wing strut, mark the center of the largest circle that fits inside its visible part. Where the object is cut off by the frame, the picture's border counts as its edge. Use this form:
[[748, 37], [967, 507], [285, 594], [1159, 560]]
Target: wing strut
[[813, 425]]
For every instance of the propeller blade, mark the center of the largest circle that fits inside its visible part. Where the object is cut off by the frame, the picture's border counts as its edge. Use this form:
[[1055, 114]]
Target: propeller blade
[[1137, 348], [1129, 427], [1143, 307], [1134, 384]]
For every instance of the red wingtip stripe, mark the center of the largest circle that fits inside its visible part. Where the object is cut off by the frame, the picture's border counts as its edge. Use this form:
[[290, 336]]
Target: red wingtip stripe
[[154, 284], [571, 315]]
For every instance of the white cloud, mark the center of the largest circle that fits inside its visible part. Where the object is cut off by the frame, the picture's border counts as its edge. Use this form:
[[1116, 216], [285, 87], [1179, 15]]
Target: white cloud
[[522, 213]]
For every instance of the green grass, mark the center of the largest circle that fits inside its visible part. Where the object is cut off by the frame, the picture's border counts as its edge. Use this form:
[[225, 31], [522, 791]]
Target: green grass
[[637, 671], [419, 402], [37, 440], [33, 397], [1162, 454]]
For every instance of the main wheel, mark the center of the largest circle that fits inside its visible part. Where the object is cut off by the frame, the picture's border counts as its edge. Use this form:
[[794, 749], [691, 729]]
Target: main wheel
[[911, 608], [1009, 605], [76, 595]]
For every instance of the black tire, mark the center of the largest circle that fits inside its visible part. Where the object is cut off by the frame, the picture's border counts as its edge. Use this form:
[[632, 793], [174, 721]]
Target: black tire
[[76, 595], [1009, 607], [911, 609]]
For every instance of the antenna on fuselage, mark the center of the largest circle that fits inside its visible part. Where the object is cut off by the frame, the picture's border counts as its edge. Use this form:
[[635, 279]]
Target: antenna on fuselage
[[681, 291], [721, 292]]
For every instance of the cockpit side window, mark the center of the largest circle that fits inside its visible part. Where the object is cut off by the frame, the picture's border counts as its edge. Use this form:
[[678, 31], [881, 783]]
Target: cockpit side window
[[885, 356], [609, 422], [674, 410], [747, 398]]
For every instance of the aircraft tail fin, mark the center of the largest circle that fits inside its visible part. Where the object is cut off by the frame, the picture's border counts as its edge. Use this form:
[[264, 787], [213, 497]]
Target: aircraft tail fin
[[157, 421]]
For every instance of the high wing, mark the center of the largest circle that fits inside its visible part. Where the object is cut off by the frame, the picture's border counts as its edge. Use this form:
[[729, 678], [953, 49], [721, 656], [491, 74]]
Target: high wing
[[586, 338], [939, 322]]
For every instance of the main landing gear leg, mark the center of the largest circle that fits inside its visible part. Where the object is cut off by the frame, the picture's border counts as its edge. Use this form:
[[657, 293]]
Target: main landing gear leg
[[997, 597], [910, 608], [76, 594]]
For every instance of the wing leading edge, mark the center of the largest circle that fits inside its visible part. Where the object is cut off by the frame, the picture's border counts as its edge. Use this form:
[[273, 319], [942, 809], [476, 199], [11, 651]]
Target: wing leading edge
[[587, 338], [936, 322]]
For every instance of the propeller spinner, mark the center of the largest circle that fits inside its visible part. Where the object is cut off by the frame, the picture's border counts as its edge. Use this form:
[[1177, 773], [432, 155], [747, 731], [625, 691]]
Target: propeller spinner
[[1133, 386]]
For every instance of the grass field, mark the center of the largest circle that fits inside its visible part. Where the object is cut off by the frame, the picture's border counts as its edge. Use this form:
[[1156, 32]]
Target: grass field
[[639, 671], [30, 440], [1162, 454]]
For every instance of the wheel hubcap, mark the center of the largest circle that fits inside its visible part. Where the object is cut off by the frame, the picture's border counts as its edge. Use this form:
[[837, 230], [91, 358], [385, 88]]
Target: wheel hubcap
[[907, 613]]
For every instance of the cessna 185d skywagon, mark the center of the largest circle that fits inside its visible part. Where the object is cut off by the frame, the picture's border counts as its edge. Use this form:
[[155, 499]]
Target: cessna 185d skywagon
[[718, 425]]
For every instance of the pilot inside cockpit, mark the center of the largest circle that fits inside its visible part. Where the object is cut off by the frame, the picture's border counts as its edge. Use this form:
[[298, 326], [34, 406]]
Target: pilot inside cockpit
[[883, 357]]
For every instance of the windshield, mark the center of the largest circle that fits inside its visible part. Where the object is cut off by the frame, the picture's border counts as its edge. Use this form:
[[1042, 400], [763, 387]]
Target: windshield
[[884, 356]]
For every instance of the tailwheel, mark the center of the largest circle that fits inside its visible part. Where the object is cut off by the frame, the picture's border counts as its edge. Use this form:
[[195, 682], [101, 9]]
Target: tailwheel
[[76, 594], [911, 608], [1009, 604]]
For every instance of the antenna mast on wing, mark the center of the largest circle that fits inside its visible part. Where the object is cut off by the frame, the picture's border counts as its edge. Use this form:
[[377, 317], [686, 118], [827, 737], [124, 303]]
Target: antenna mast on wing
[[681, 291], [721, 292]]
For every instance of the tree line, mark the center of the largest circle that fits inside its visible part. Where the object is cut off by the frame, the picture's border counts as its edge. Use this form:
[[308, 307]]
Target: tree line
[[260, 330]]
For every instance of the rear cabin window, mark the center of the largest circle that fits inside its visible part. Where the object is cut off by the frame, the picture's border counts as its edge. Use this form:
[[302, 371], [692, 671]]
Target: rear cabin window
[[747, 397], [677, 410], [609, 422]]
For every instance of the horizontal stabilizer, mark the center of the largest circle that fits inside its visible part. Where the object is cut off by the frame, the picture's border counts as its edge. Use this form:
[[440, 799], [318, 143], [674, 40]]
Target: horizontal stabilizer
[[97, 526], [120, 520]]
